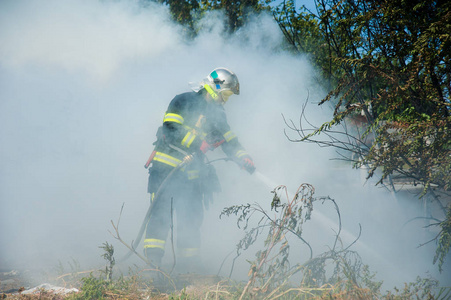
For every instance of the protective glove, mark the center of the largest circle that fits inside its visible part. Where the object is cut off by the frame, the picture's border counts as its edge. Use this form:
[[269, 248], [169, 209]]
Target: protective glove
[[248, 164], [205, 147]]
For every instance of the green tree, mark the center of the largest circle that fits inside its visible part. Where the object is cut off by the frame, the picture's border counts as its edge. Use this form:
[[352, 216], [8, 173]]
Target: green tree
[[387, 62], [182, 11], [302, 32], [237, 12]]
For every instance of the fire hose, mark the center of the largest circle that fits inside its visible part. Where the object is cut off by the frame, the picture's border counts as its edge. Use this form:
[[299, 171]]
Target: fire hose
[[139, 236], [188, 159], [136, 242]]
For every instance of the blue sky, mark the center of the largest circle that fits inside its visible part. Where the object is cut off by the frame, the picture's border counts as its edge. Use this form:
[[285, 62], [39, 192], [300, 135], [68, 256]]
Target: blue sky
[[310, 4]]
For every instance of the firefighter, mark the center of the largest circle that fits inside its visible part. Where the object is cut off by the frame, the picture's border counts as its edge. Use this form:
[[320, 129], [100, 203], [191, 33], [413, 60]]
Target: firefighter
[[194, 123]]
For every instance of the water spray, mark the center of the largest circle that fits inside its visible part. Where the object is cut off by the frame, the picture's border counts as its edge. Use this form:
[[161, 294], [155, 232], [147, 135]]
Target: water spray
[[326, 223]]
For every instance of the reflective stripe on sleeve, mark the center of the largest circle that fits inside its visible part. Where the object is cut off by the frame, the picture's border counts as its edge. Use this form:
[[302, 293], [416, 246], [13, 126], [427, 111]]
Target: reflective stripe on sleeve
[[193, 174], [170, 117], [229, 135], [188, 139], [154, 243], [240, 153], [167, 159]]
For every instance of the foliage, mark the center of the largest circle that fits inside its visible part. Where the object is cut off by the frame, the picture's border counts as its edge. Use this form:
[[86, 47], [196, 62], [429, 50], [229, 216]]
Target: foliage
[[108, 256], [182, 11], [237, 12], [189, 12], [388, 69], [444, 241], [99, 288], [92, 288], [399, 81], [303, 32], [422, 288]]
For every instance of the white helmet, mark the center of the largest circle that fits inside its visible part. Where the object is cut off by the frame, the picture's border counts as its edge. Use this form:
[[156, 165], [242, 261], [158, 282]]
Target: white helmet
[[222, 79], [221, 83]]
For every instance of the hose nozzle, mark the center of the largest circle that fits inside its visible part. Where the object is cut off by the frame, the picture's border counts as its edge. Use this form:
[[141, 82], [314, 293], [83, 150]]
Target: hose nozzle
[[187, 159]]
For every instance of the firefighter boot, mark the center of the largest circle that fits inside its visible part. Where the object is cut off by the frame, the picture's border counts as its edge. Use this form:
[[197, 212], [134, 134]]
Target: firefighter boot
[[192, 264], [154, 257], [154, 272]]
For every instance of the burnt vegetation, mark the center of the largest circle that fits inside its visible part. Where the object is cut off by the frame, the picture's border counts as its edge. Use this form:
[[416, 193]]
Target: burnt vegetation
[[278, 270]]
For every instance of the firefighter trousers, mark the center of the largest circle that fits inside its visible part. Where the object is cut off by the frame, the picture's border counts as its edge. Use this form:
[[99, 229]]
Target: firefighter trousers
[[179, 205]]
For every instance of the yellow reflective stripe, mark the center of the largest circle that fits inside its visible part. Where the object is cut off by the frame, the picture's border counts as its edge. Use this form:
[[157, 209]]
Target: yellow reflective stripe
[[193, 174], [188, 139], [154, 243], [170, 117], [210, 91], [189, 252], [191, 140], [240, 153], [187, 127], [201, 133], [229, 135], [167, 159]]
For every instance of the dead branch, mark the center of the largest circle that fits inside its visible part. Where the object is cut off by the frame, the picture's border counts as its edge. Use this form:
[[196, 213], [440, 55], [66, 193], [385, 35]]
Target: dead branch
[[76, 273], [305, 291], [118, 237], [174, 259]]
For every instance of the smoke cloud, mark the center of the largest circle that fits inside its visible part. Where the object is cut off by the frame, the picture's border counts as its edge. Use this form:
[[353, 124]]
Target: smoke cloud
[[83, 88]]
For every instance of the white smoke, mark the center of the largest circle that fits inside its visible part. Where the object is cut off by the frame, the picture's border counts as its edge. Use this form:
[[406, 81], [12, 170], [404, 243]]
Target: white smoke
[[92, 37], [83, 88]]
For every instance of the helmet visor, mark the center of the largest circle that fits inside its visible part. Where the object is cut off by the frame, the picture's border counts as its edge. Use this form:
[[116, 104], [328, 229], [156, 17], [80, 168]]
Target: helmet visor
[[225, 95], [236, 88]]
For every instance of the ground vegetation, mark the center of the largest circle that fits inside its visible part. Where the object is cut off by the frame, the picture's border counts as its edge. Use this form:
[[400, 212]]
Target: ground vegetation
[[275, 272]]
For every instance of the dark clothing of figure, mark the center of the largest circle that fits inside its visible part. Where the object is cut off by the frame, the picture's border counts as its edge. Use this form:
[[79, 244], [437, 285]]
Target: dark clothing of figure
[[188, 122]]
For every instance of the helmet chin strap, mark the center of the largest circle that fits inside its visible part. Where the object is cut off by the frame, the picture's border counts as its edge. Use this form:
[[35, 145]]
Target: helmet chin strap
[[211, 92]]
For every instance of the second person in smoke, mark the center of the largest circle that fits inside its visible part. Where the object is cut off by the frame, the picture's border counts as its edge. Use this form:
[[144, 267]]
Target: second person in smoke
[[194, 123]]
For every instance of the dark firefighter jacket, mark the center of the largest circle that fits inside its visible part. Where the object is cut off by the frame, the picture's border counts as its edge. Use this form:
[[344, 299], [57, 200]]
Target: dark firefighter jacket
[[188, 121]]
